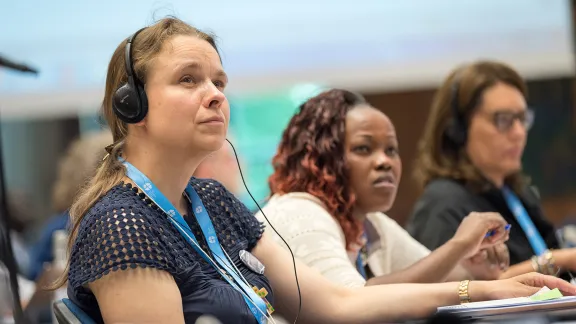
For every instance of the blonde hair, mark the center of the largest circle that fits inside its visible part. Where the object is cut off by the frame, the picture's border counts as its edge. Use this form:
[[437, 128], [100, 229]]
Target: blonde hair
[[145, 48], [77, 166]]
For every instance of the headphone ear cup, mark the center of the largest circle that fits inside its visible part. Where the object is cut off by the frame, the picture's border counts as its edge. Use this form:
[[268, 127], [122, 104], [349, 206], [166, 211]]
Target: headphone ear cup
[[456, 133], [126, 103]]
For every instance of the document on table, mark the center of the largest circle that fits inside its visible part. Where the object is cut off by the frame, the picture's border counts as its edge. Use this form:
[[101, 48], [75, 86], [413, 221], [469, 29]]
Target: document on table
[[545, 298]]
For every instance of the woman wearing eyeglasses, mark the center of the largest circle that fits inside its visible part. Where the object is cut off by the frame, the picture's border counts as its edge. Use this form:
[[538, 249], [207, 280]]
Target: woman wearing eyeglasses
[[469, 160]]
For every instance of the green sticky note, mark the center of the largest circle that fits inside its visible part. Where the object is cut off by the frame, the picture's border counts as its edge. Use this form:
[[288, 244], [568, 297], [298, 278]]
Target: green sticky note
[[552, 294]]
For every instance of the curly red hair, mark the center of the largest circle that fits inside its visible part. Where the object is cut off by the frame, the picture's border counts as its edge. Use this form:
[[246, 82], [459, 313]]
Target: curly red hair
[[310, 157]]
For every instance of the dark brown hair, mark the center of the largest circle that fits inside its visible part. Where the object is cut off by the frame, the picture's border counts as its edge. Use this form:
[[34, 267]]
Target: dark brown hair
[[310, 157], [437, 157], [145, 48]]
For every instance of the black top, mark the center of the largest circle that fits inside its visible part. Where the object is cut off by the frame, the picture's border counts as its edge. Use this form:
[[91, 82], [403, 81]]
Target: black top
[[445, 203], [124, 229]]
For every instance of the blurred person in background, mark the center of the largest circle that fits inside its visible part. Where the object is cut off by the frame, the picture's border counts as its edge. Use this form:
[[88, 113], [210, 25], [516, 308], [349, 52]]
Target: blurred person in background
[[336, 172], [470, 160], [19, 222], [75, 168], [135, 258]]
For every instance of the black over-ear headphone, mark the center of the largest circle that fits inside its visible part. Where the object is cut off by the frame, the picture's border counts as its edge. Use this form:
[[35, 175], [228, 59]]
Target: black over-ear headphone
[[130, 103], [456, 132]]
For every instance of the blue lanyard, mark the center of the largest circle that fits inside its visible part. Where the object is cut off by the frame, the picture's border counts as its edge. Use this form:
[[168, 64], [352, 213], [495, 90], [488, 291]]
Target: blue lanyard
[[519, 212], [255, 303], [359, 262], [360, 265]]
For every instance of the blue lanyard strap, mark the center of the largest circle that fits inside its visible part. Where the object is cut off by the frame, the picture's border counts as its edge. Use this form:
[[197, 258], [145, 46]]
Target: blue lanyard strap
[[359, 260], [360, 266], [221, 262], [519, 212]]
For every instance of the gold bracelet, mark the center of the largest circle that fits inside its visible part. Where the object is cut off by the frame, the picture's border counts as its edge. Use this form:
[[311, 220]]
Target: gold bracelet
[[463, 292]]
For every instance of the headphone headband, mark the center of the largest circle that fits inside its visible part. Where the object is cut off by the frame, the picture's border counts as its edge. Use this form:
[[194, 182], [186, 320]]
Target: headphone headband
[[129, 102], [128, 54]]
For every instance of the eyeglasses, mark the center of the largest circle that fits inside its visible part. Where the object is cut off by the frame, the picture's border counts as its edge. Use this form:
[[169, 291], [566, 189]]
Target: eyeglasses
[[504, 120]]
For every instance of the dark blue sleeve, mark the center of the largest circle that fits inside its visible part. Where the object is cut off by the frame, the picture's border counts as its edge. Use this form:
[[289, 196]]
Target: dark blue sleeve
[[246, 222], [116, 237]]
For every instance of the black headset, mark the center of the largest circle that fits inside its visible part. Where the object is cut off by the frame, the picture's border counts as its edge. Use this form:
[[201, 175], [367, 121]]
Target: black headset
[[456, 132], [129, 102]]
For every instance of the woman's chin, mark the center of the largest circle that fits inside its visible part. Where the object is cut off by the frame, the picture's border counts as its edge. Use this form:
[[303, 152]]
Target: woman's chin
[[382, 207], [211, 143]]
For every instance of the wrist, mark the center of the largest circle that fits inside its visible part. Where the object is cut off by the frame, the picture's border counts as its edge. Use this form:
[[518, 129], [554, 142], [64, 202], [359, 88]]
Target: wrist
[[478, 290], [560, 257], [464, 292], [462, 247]]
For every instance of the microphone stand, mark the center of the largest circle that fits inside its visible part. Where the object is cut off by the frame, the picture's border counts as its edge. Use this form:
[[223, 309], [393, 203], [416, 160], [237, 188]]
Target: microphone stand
[[6, 251]]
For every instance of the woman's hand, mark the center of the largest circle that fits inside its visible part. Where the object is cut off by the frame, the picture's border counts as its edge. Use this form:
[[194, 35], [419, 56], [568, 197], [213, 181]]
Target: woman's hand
[[521, 286], [488, 264], [472, 232]]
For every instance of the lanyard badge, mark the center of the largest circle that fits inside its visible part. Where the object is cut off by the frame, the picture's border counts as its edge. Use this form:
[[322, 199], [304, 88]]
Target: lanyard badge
[[221, 262]]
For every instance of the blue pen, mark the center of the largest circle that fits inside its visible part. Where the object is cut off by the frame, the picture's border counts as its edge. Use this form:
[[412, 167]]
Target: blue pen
[[491, 233]]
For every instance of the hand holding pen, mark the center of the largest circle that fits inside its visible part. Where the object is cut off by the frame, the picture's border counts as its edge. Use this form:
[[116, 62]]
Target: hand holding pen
[[481, 230]]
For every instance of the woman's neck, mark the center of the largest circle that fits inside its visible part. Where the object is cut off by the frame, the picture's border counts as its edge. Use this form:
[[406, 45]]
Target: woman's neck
[[169, 171], [359, 215], [496, 179]]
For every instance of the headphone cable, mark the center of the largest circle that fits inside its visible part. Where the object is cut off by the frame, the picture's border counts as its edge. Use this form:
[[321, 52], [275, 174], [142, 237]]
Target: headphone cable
[[271, 226]]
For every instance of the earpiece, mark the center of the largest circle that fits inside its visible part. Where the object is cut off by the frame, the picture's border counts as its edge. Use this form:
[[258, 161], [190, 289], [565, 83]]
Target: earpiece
[[456, 132], [129, 102]]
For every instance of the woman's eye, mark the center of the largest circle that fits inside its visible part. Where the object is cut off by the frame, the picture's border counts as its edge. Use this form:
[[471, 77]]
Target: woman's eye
[[187, 79], [392, 151], [362, 149], [219, 84]]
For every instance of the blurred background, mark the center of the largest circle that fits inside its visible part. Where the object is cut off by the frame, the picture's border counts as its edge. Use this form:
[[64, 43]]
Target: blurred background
[[277, 55]]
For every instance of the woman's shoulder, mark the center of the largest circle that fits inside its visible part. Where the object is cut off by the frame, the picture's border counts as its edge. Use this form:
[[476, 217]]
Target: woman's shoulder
[[296, 213], [121, 230], [296, 205], [227, 211], [445, 187], [119, 197], [444, 194], [218, 199], [382, 219], [121, 211]]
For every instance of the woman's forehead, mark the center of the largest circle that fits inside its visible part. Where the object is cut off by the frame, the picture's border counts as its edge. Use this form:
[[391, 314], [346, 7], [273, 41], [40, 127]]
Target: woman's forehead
[[190, 52]]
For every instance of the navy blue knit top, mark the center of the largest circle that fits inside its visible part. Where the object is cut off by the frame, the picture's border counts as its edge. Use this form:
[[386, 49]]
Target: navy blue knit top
[[124, 229]]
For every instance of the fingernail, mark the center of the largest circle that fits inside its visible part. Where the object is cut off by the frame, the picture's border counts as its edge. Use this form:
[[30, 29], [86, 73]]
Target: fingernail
[[502, 265], [492, 266]]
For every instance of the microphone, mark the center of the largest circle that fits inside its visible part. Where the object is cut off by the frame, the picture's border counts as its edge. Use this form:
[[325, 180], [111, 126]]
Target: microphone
[[16, 66]]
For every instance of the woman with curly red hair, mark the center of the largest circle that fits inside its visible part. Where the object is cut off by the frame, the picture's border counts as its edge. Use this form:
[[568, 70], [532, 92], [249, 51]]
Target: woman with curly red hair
[[336, 170]]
